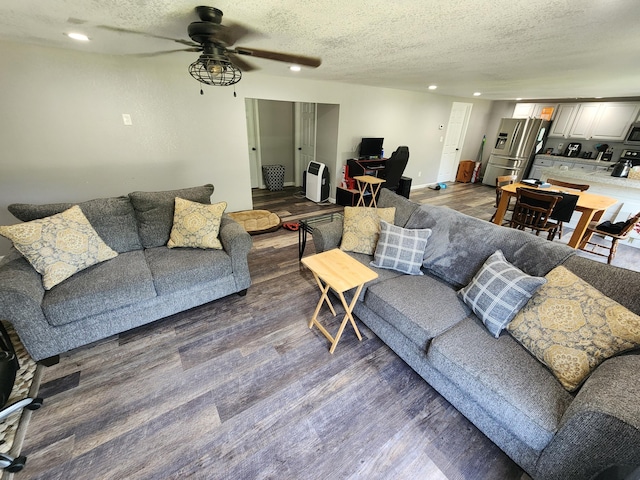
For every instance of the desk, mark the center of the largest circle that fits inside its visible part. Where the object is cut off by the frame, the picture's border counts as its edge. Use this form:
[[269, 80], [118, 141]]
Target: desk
[[339, 272], [374, 184], [591, 206]]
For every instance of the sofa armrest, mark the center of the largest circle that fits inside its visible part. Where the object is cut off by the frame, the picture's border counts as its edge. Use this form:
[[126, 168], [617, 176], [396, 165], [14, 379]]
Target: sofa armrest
[[601, 427], [327, 235], [21, 294], [237, 243]]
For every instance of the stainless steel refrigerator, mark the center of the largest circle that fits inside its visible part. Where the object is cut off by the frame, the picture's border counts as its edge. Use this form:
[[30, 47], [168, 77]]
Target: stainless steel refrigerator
[[517, 143]]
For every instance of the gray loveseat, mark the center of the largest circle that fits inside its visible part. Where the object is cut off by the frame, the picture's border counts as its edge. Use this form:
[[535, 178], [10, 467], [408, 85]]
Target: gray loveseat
[[145, 282], [495, 382]]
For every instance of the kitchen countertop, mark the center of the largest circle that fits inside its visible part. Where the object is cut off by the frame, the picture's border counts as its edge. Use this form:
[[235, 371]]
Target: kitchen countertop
[[582, 161], [601, 177]]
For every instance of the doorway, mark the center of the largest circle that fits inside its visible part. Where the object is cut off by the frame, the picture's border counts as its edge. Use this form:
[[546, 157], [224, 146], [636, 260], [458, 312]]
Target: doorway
[[453, 140], [290, 134]]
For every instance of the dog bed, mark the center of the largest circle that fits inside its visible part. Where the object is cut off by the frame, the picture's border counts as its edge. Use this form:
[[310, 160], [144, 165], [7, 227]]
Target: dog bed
[[257, 221]]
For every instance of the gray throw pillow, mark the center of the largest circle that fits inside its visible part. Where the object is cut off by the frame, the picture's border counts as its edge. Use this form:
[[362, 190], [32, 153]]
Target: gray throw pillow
[[498, 291], [154, 211], [112, 218], [400, 249]]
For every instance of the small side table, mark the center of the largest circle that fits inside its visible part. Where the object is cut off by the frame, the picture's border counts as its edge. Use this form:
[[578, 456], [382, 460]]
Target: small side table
[[307, 225], [373, 183], [339, 272]]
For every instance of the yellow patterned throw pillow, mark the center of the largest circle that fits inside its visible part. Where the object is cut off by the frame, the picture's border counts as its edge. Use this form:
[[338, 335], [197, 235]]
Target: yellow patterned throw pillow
[[361, 228], [59, 246], [196, 225], [572, 328]]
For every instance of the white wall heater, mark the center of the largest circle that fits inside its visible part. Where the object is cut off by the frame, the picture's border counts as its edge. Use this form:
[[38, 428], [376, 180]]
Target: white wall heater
[[317, 182]]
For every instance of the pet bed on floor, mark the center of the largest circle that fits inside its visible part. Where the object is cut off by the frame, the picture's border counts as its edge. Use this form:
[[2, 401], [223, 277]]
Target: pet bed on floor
[[257, 221]]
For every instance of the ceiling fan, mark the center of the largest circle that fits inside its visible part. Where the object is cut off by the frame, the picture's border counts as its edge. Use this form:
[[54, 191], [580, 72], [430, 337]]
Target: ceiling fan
[[219, 64]]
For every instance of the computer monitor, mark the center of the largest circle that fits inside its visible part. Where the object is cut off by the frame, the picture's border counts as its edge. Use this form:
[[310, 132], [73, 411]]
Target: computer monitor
[[370, 147]]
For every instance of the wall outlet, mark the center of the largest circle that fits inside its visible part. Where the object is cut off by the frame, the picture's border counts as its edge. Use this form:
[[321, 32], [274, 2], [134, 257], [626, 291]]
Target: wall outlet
[[126, 119], [560, 145], [419, 174]]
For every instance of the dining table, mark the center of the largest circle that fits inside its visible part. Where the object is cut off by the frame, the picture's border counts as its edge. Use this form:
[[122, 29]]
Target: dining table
[[590, 205]]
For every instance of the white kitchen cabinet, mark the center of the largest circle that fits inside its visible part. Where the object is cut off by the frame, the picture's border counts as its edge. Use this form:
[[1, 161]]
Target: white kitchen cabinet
[[538, 165], [583, 123], [535, 110], [613, 120], [564, 118], [523, 110]]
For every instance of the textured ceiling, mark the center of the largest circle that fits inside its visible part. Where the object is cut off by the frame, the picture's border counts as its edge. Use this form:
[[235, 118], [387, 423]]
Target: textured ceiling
[[505, 49]]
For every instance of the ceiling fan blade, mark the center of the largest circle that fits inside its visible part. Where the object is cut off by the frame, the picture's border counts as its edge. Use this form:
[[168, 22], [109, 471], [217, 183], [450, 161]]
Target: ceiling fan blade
[[279, 57], [164, 52], [241, 63], [135, 32], [233, 32]]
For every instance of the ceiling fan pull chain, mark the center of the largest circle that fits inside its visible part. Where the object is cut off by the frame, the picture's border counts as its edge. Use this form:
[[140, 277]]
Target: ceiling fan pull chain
[[234, 90], [201, 92]]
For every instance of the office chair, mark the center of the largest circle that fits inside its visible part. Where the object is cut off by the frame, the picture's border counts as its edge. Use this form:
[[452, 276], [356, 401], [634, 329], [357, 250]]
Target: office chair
[[394, 168]]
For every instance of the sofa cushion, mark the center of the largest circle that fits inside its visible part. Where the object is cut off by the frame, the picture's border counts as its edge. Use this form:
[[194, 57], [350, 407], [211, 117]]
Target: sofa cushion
[[177, 269], [112, 218], [196, 225], [498, 291], [460, 244], [154, 211], [421, 307], [361, 228], [400, 248], [404, 207], [122, 281], [59, 246], [571, 327], [503, 378]]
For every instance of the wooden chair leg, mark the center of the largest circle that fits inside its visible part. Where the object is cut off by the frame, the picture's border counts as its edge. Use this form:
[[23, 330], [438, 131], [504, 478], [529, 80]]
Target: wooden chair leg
[[612, 252]]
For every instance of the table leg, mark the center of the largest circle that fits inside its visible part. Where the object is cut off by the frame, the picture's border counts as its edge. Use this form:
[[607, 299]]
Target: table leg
[[347, 317], [323, 298], [587, 217], [362, 192], [502, 207], [373, 195], [302, 241]]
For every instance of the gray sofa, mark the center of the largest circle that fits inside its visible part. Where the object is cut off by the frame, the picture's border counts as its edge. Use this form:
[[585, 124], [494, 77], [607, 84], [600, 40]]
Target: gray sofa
[[145, 282], [495, 382]]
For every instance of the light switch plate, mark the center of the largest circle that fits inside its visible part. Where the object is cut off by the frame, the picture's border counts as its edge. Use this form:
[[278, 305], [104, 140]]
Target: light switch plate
[[126, 118]]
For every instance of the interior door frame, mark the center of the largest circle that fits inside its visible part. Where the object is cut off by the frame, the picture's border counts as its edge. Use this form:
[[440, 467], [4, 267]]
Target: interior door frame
[[299, 163], [449, 177], [253, 129]]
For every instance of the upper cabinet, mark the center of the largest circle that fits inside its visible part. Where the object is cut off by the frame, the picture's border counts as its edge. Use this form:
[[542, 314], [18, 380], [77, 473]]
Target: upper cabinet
[[535, 110], [595, 120], [613, 120], [565, 116]]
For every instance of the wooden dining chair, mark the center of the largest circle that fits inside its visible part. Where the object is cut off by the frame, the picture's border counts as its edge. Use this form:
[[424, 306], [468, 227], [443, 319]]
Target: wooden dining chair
[[575, 186], [532, 210], [501, 181], [623, 234]]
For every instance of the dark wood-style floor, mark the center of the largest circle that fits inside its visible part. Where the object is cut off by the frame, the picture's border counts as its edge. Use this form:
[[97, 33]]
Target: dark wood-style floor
[[241, 389]]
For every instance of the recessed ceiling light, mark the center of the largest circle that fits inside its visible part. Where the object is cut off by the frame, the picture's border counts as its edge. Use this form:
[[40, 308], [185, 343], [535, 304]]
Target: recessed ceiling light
[[432, 87], [78, 36], [295, 68], [476, 94]]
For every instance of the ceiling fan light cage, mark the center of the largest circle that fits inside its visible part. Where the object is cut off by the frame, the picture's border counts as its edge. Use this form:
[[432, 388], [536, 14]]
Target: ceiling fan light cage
[[216, 71]]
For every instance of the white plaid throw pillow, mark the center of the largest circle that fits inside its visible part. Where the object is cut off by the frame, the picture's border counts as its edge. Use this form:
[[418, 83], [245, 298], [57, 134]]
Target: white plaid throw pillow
[[498, 291], [400, 249]]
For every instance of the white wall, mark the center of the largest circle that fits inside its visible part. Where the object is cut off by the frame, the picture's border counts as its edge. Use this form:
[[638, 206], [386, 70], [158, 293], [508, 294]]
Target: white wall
[[63, 138]]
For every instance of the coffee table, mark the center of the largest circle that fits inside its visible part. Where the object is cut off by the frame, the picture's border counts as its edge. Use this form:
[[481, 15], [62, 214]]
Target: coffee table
[[307, 225], [336, 270]]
